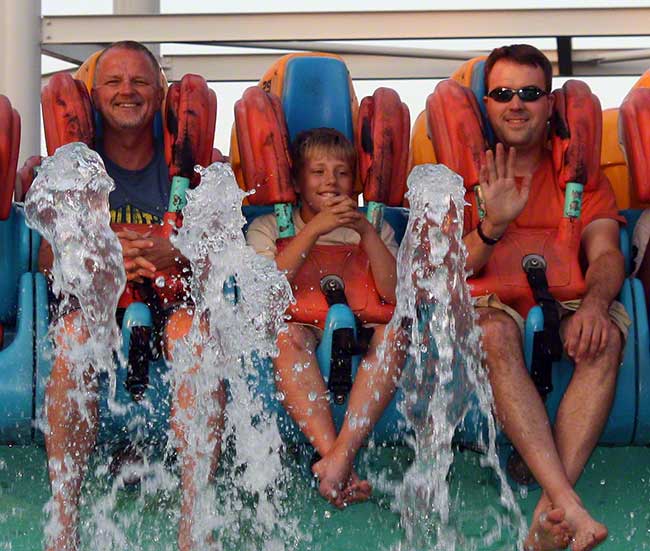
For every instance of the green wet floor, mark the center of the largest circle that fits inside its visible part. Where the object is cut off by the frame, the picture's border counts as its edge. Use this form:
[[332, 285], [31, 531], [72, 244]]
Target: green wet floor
[[615, 487]]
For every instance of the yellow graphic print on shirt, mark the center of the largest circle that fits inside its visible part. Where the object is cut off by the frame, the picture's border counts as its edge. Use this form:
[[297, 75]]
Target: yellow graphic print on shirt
[[129, 214]]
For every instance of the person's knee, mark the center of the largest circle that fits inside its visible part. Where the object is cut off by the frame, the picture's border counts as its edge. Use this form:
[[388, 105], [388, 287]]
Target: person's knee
[[498, 328], [297, 338], [70, 330], [609, 360], [178, 326]]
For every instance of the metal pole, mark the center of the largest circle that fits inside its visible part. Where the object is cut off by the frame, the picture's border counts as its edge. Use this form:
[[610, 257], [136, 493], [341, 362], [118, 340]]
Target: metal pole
[[20, 67], [139, 7]]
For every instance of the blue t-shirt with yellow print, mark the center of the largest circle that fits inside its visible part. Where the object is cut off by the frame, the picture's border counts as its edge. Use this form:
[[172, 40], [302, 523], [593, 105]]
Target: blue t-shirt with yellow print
[[140, 196]]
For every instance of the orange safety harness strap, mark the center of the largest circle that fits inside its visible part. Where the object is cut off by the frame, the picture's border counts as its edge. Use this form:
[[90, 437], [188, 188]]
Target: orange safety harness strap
[[458, 138], [351, 264]]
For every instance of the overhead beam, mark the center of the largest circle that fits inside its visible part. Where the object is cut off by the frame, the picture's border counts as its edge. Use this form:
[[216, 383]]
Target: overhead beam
[[250, 67], [384, 25], [72, 53]]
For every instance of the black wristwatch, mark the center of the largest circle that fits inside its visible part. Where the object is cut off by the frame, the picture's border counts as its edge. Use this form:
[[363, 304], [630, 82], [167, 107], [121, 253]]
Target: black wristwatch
[[487, 240]]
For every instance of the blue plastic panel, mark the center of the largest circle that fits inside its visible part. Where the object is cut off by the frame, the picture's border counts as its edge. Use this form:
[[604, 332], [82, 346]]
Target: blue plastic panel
[[14, 261], [316, 93], [17, 372], [642, 434], [147, 420]]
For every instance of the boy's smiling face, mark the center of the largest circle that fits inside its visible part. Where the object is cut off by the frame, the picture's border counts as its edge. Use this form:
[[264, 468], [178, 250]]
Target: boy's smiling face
[[323, 176]]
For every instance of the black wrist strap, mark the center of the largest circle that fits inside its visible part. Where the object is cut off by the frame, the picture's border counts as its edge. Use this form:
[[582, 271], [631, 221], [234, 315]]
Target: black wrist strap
[[487, 240]]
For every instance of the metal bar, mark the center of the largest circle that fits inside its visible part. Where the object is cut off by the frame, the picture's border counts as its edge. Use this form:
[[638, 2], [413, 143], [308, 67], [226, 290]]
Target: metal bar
[[250, 67], [356, 48], [139, 7], [72, 53], [564, 61], [346, 25], [613, 56]]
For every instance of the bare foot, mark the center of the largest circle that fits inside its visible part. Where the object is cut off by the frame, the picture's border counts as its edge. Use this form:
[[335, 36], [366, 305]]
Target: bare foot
[[337, 482], [548, 531], [588, 533], [356, 490]]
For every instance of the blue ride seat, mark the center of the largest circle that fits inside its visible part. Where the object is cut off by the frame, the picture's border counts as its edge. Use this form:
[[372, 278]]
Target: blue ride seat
[[17, 320], [314, 91], [628, 412], [642, 334], [390, 426]]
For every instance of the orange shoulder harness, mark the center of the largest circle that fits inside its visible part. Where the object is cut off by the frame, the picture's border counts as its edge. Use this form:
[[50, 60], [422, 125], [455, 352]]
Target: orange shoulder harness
[[458, 139]]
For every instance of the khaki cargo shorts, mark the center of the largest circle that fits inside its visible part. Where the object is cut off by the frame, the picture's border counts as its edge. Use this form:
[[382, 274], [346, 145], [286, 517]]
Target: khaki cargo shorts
[[617, 312]]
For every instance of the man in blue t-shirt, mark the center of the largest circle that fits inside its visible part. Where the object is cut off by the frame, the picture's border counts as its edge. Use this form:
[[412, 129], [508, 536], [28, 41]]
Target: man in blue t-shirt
[[127, 93], [141, 195]]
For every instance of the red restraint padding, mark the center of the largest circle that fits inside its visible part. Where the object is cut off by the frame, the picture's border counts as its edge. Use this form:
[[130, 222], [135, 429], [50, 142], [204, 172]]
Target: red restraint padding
[[67, 113], [264, 147], [26, 176], [9, 148], [456, 130], [190, 121], [382, 141], [634, 131], [577, 133]]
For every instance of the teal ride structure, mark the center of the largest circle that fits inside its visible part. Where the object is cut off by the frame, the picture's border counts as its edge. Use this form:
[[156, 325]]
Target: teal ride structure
[[300, 92]]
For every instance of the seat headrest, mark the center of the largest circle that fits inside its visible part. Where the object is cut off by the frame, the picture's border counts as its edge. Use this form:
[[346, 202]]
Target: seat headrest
[[316, 94]]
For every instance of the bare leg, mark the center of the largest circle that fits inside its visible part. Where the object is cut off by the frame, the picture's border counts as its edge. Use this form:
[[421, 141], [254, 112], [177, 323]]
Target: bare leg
[[71, 412], [521, 412], [372, 391], [304, 394], [184, 405], [580, 420]]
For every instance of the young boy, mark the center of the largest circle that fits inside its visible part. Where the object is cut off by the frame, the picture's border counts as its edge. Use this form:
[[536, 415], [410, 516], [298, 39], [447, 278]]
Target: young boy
[[324, 164]]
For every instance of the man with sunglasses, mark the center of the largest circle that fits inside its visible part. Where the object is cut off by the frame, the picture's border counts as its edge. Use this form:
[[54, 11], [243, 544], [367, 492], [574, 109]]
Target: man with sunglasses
[[519, 191]]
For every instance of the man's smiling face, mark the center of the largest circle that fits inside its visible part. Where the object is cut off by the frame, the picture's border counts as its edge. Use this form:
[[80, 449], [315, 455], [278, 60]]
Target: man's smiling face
[[127, 90], [518, 123]]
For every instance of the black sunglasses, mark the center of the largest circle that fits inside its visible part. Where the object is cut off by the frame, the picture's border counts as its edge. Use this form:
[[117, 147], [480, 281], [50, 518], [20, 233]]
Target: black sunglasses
[[527, 93]]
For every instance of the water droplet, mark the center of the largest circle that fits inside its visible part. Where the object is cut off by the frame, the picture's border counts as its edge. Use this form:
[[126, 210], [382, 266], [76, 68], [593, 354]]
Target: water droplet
[[313, 396]]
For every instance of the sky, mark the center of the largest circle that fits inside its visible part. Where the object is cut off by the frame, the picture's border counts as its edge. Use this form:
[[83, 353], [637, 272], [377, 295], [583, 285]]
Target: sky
[[610, 90]]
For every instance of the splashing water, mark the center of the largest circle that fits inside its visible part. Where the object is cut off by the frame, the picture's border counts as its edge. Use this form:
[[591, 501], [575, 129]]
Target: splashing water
[[443, 373], [218, 347], [68, 205]]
